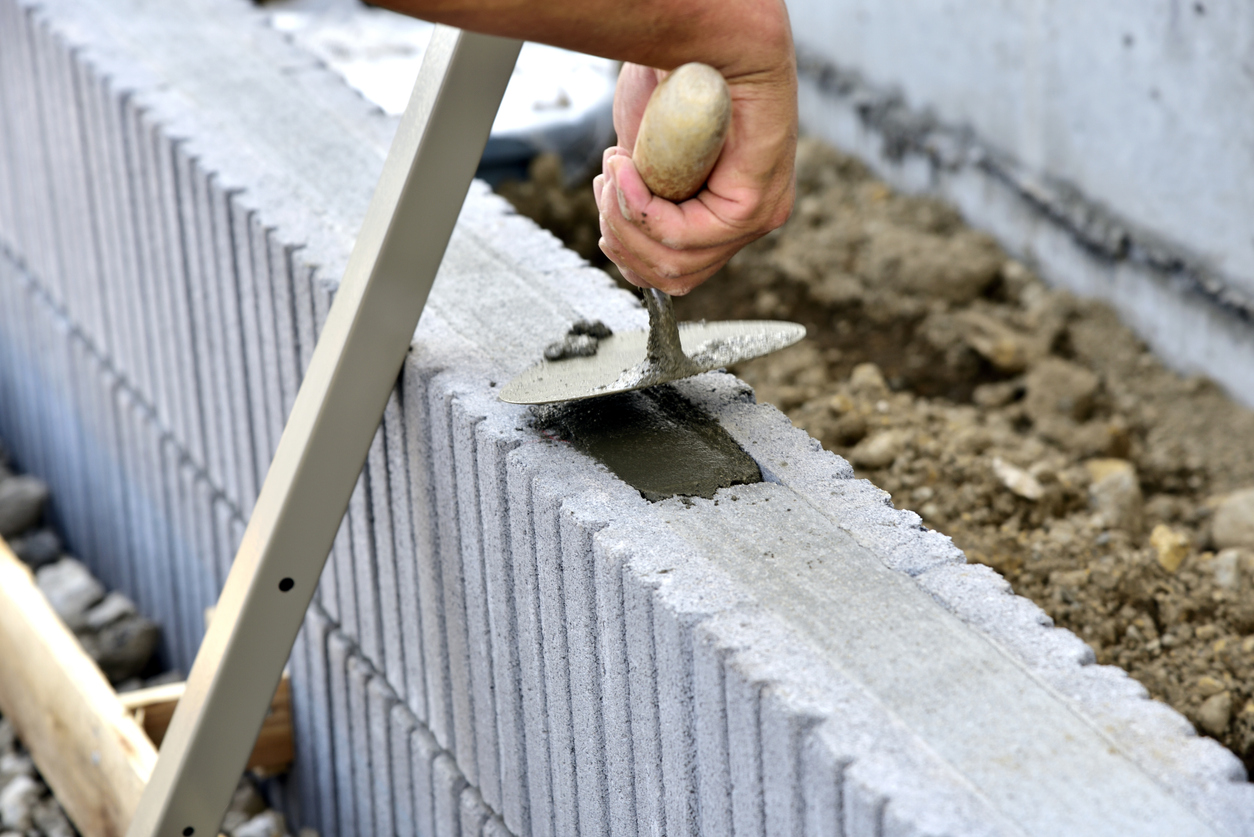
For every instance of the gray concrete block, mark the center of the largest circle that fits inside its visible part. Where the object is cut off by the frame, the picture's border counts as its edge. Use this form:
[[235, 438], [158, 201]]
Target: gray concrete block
[[412, 683], [423, 750], [822, 776], [304, 275], [447, 784], [8, 177], [282, 276], [318, 752], [673, 645], [144, 367], [225, 310], [339, 651], [642, 683], [498, 577], [380, 700], [362, 758], [90, 98], [366, 628], [224, 519], [180, 533], [464, 422], [56, 114], [264, 282], [710, 716], [256, 364], [303, 775], [474, 813], [783, 730], [615, 661], [530, 639], [459, 739], [345, 579], [391, 636], [436, 710], [401, 780]]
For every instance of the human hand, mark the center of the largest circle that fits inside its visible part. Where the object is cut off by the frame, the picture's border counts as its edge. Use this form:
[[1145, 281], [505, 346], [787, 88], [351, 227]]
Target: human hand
[[676, 247]]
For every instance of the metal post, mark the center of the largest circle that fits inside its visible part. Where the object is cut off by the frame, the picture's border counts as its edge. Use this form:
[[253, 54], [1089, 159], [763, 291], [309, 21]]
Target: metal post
[[339, 406]]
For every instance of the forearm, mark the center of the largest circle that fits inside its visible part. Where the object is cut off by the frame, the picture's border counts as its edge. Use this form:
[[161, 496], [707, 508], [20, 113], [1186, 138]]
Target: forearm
[[740, 38]]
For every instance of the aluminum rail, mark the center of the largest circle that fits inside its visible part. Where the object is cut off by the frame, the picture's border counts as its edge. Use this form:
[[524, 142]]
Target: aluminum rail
[[353, 369]]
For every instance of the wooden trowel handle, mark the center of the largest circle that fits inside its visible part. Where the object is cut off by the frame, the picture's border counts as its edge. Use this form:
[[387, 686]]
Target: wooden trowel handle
[[682, 131]]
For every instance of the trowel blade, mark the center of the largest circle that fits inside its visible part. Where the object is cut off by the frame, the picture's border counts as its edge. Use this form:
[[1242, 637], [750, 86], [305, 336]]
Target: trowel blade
[[621, 363]]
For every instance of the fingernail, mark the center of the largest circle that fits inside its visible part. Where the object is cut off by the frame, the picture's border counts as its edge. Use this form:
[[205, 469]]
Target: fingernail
[[618, 192]]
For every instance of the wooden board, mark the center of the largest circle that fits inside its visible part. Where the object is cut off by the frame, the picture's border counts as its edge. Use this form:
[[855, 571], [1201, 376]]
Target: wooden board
[[154, 707], [89, 749]]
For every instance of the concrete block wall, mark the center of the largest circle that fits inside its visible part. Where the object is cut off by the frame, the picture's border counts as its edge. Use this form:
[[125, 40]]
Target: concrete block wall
[[507, 639], [1106, 144]]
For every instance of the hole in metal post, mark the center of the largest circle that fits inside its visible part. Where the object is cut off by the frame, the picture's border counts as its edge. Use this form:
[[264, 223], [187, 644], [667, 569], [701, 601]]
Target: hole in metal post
[[286, 584], [189, 831]]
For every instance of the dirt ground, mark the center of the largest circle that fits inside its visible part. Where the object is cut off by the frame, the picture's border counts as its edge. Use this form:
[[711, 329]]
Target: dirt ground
[[1027, 424]]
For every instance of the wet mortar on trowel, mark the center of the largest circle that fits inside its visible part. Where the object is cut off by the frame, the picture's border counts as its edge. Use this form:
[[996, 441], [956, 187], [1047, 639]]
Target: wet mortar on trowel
[[1031, 426]]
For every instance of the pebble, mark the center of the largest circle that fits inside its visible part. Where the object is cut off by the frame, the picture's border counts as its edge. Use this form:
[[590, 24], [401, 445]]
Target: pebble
[[1233, 523], [878, 451], [1114, 494], [71, 590], [38, 549], [22, 500], [265, 824], [1059, 387], [1208, 686], [1215, 712], [124, 648], [1227, 569], [1170, 547], [8, 739], [51, 820], [14, 764], [17, 802], [111, 608], [1017, 480], [867, 377]]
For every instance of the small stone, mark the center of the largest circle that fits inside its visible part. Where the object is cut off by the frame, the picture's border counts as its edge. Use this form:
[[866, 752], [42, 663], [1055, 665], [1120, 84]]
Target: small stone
[[1017, 480], [573, 345], [51, 820], [22, 500], [8, 739], [14, 764], [1227, 569], [38, 549], [113, 607], [878, 451], [1233, 523], [849, 429], [1170, 547], [123, 649], [1215, 712], [265, 824], [17, 802], [1208, 686], [1056, 387], [592, 328], [867, 377], [71, 590], [245, 800], [1114, 494], [994, 341]]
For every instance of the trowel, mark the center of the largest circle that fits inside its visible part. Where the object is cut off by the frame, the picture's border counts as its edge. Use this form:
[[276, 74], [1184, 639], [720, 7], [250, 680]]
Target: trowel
[[681, 134]]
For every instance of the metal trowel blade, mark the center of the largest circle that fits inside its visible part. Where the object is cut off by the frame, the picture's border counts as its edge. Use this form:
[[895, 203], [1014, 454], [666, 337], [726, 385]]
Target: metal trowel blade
[[621, 363]]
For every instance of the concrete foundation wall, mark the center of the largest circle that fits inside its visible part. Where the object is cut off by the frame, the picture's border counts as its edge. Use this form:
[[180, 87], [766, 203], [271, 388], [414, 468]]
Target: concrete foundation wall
[[507, 639], [1106, 144]]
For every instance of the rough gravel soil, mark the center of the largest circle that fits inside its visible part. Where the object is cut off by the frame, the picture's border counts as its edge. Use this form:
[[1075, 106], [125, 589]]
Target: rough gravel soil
[[1029, 425]]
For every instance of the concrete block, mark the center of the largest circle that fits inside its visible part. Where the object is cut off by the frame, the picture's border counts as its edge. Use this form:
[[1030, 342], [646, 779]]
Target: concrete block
[[87, 84], [401, 729], [303, 776], [345, 612], [304, 275], [225, 309], [204, 498], [673, 645], [143, 366], [180, 533], [380, 701], [423, 750], [251, 324], [224, 521], [282, 276], [8, 177], [56, 114], [783, 730], [464, 422], [615, 661], [359, 675], [710, 717], [498, 576], [391, 636], [822, 776], [436, 712], [366, 629], [447, 784], [646, 730], [263, 282], [474, 813], [459, 739], [339, 651], [410, 682], [318, 753]]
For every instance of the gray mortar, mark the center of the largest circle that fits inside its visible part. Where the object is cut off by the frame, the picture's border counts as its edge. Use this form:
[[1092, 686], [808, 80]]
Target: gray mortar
[[654, 440]]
